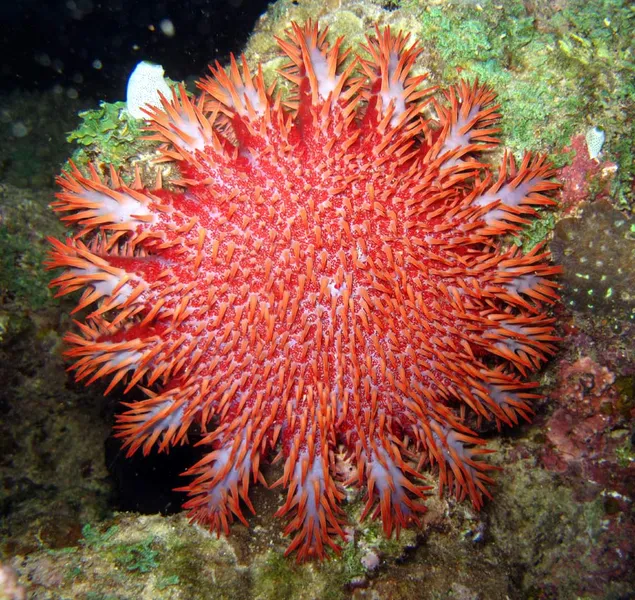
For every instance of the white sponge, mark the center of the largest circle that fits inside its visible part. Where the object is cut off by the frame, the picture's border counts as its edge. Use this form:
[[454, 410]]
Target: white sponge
[[594, 141], [144, 85]]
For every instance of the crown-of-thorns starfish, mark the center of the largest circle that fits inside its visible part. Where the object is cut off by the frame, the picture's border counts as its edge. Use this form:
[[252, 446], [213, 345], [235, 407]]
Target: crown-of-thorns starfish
[[329, 278]]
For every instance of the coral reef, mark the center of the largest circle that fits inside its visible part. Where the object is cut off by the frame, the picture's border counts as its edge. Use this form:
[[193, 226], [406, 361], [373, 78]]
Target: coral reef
[[548, 534]]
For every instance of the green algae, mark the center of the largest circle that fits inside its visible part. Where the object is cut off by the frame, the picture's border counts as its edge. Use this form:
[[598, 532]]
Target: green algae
[[536, 232], [556, 72], [107, 132], [278, 578], [625, 455], [134, 555], [24, 224], [499, 45], [22, 278], [94, 538], [140, 556]]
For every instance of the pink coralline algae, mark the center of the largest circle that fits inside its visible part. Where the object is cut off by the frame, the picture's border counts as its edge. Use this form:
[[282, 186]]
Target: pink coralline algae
[[586, 430], [327, 276], [582, 174], [588, 446]]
